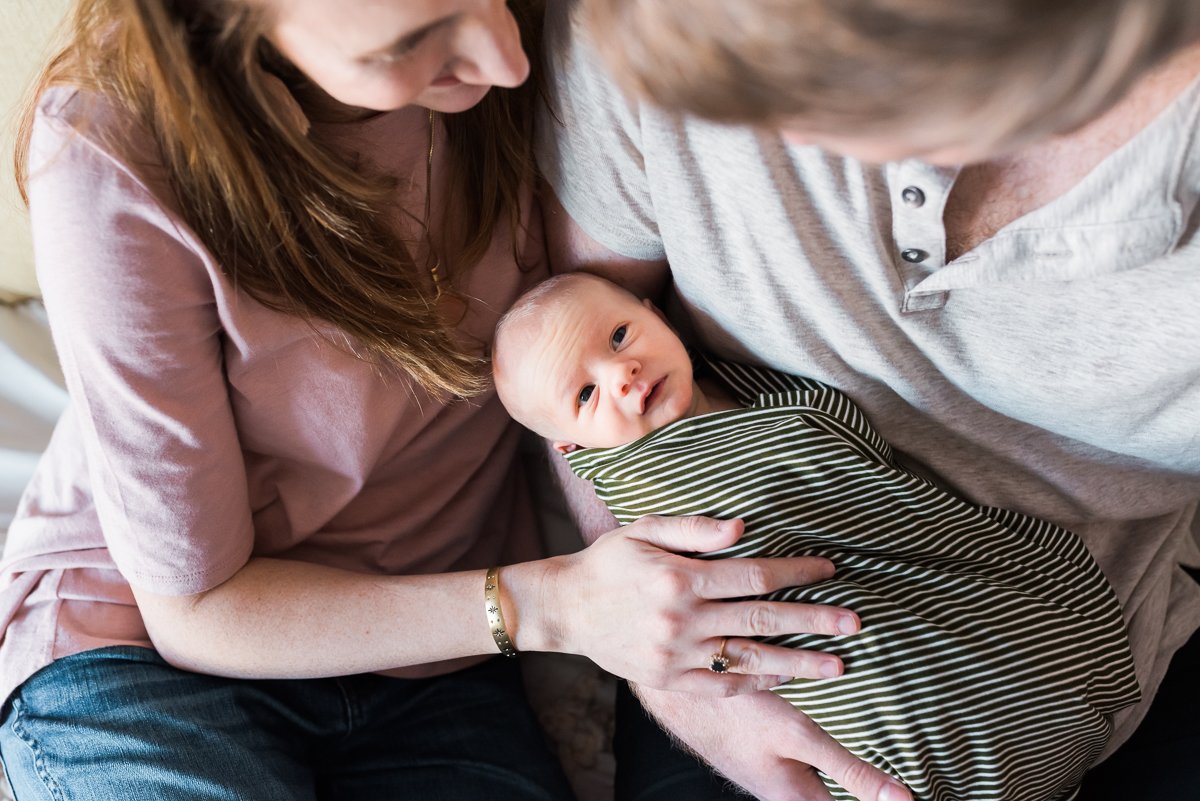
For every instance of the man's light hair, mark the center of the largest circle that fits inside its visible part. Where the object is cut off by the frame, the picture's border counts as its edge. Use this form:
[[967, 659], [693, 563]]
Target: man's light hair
[[992, 72]]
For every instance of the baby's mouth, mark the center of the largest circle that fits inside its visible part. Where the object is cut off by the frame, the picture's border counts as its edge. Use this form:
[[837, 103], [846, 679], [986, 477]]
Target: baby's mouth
[[649, 398]]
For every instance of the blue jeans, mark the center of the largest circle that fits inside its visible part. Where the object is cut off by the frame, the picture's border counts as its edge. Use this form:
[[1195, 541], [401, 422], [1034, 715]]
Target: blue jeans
[[120, 724]]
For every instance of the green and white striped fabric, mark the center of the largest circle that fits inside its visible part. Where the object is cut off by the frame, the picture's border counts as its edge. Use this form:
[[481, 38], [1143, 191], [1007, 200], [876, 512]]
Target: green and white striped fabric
[[992, 650]]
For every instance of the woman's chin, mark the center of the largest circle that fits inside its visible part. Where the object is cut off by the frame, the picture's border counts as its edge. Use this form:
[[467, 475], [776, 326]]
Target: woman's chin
[[452, 99]]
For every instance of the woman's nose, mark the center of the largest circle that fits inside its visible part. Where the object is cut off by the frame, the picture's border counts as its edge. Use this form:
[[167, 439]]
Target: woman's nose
[[490, 51]]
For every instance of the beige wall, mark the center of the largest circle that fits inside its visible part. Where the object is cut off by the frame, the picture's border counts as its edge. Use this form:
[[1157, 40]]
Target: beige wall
[[25, 32]]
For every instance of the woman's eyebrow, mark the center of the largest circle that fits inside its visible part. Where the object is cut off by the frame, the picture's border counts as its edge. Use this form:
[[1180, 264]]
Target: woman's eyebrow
[[412, 38]]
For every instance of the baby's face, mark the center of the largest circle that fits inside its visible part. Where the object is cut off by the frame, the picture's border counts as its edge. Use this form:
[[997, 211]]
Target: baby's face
[[604, 370]]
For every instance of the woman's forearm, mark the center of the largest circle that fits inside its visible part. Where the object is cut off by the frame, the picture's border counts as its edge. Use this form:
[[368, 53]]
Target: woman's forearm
[[287, 619], [631, 602]]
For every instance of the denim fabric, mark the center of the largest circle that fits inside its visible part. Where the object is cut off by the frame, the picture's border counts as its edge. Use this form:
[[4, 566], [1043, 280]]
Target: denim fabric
[[120, 724]]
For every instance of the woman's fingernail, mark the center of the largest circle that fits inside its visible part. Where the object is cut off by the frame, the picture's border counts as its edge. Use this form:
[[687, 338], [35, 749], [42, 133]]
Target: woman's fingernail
[[831, 669], [893, 792], [847, 624]]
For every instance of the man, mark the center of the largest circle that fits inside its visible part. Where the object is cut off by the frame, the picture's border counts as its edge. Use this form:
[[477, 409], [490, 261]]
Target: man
[[978, 220]]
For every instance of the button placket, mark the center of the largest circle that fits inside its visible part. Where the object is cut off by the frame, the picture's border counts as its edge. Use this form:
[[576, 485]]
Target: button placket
[[918, 193]]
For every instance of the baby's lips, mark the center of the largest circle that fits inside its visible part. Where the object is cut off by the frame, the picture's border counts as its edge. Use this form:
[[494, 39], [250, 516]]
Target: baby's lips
[[650, 391]]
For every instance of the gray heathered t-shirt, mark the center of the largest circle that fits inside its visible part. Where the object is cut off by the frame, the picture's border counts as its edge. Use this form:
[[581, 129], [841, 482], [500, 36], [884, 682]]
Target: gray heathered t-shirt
[[1054, 369]]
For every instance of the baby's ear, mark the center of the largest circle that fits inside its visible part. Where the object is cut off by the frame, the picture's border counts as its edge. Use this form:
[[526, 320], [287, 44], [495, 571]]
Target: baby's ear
[[649, 304], [565, 447]]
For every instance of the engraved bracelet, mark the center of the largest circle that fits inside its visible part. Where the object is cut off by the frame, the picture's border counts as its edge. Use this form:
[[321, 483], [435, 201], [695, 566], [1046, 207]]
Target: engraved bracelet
[[495, 617]]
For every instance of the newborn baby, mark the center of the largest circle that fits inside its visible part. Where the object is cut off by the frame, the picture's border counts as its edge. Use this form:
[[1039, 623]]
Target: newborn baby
[[992, 651]]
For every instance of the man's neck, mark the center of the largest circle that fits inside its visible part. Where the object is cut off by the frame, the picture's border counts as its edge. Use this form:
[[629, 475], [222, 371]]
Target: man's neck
[[988, 196]]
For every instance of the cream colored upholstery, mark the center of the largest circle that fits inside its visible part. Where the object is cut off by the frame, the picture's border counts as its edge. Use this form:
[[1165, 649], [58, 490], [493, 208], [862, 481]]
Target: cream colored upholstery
[[25, 32]]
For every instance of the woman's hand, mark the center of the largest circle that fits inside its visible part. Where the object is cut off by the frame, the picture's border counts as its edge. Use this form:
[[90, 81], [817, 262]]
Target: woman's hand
[[640, 610], [771, 749]]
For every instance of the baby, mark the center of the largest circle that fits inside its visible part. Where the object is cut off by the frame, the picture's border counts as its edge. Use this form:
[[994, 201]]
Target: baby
[[992, 651]]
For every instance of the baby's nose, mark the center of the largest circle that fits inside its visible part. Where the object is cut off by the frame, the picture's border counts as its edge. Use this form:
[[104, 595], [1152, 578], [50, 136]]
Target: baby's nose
[[627, 372]]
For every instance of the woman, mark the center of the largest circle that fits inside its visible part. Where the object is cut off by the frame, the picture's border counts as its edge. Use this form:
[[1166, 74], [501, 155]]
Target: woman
[[273, 239]]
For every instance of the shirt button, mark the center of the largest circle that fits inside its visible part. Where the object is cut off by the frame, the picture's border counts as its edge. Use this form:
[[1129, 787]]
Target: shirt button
[[914, 255], [913, 197]]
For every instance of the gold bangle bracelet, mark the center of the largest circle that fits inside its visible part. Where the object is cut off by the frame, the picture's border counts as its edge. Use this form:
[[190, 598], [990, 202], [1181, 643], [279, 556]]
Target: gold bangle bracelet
[[495, 617]]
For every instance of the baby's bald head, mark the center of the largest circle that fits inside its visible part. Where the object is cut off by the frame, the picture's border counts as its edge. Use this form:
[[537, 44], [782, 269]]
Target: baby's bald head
[[520, 330]]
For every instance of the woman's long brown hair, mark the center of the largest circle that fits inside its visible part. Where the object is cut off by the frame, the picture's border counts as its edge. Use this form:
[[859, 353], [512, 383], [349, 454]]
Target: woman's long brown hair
[[294, 225]]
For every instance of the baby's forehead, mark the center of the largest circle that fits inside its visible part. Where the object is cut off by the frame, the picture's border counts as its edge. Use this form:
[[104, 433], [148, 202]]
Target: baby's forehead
[[561, 306], [571, 301]]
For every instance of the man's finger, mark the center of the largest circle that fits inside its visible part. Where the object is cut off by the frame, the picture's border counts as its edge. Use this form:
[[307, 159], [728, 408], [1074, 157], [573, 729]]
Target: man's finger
[[860, 778]]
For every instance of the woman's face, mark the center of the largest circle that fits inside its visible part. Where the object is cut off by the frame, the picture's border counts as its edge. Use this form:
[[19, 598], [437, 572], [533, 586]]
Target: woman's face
[[384, 54]]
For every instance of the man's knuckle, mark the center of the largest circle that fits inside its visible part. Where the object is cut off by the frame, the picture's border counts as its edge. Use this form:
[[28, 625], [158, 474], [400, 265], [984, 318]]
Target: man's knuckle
[[860, 778], [798, 729]]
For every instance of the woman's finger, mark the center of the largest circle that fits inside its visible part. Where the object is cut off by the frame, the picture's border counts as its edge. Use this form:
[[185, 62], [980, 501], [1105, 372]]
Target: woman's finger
[[770, 618], [736, 666], [739, 578], [685, 534], [777, 662]]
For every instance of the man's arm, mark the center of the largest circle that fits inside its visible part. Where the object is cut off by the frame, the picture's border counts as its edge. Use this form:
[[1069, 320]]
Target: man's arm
[[570, 248]]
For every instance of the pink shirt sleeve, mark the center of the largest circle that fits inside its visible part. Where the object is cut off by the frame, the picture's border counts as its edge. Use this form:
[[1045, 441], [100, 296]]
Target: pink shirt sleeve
[[135, 322]]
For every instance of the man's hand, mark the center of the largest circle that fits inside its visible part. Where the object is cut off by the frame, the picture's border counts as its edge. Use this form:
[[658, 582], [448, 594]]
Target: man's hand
[[768, 747]]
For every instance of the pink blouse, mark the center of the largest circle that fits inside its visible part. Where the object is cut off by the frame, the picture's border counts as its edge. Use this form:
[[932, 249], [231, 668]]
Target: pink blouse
[[205, 428]]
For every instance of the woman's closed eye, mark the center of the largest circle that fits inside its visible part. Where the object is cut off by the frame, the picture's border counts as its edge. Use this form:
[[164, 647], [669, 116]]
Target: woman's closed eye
[[399, 51], [585, 395], [618, 336], [407, 46]]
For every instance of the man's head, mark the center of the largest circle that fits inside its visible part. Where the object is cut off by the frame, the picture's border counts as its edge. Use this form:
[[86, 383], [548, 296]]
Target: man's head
[[584, 363], [944, 80]]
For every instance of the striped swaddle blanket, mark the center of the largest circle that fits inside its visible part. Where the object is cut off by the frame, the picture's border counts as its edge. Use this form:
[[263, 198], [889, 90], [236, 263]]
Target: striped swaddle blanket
[[992, 651]]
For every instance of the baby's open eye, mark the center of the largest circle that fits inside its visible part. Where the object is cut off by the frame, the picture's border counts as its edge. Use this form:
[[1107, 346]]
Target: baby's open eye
[[618, 336], [585, 394]]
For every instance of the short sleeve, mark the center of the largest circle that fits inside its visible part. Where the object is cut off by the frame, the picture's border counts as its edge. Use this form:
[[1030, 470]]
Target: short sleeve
[[133, 314], [589, 143]]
